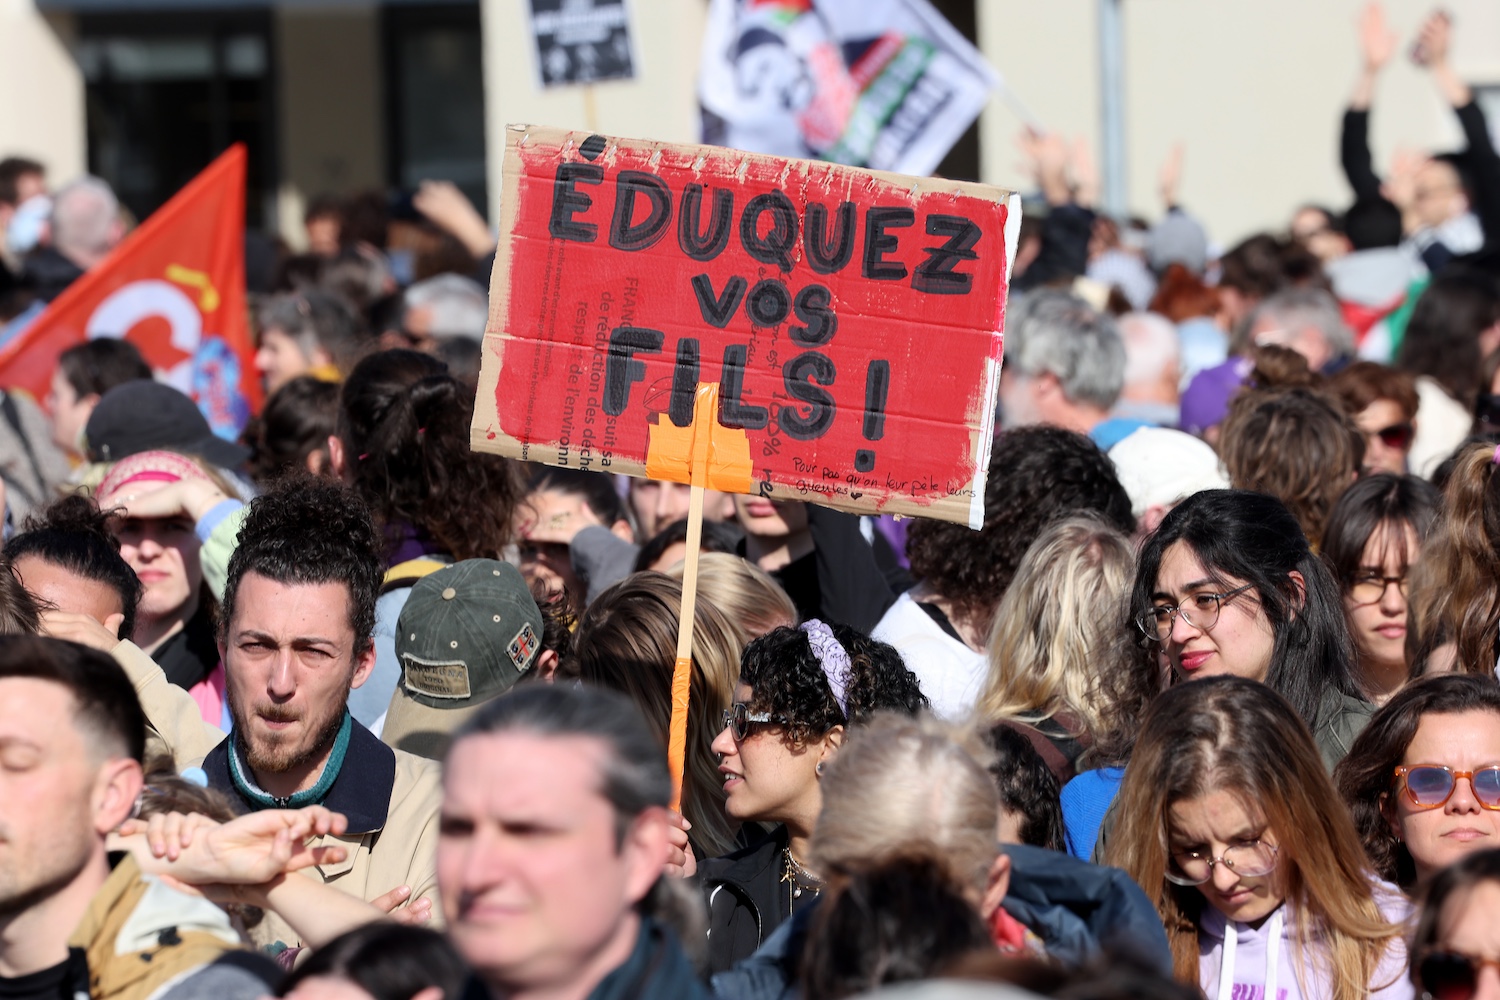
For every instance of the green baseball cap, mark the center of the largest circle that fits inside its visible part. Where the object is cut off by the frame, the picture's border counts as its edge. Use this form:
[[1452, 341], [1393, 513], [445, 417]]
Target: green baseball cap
[[468, 632]]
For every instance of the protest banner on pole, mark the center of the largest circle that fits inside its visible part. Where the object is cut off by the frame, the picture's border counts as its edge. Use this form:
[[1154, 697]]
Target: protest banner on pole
[[850, 320]]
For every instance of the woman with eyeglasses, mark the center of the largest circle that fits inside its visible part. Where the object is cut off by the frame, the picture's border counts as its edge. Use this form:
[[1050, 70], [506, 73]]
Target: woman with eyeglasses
[[1231, 825], [1228, 585], [799, 691], [1423, 779], [1456, 948], [1373, 540]]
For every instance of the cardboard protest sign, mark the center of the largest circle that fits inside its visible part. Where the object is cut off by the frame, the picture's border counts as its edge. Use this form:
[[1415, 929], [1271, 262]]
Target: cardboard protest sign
[[887, 84], [851, 319]]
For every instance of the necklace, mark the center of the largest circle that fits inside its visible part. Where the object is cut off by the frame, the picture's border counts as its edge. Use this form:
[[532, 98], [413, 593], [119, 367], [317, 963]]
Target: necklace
[[798, 877]]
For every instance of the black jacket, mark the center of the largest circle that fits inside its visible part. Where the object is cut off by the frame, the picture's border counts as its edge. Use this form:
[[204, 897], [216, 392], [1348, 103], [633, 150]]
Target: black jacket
[[746, 899], [48, 273]]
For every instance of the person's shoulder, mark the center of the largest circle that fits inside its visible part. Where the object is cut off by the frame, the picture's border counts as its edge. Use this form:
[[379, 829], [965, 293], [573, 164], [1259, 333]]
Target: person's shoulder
[[416, 776]]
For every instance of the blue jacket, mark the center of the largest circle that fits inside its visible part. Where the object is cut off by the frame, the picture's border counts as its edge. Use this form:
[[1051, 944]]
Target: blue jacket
[[1080, 911]]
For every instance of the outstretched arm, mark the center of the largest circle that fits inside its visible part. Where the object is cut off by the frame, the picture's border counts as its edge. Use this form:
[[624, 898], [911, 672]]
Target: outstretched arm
[[1377, 44]]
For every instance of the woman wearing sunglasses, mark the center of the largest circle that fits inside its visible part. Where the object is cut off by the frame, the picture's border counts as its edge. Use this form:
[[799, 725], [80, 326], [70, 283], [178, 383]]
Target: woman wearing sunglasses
[[799, 690], [1457, 944], [1383, 403], [1231, 825], [1423, 779], [1228, 585], [1373, 541]]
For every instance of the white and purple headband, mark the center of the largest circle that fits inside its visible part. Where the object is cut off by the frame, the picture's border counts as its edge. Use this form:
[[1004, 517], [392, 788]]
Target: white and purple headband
[[832, 657]]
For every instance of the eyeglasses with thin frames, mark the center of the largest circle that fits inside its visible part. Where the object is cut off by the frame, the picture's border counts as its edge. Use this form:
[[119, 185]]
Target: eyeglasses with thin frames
[[1250, 860], [1156, 622]]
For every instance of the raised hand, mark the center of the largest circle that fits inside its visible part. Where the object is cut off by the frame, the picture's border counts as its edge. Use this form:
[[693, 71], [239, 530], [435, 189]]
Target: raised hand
[[83, 629], [1377, 42]]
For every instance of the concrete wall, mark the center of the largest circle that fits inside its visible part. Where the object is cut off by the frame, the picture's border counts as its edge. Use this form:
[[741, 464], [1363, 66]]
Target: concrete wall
[[329, 105], [41, 115], [661, 103], [1254, 89]]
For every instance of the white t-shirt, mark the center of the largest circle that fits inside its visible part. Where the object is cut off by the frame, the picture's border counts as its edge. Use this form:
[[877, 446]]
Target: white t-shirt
[[951, 674]]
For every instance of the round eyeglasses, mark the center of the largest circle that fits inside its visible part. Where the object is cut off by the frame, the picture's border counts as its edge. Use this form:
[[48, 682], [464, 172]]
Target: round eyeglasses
[[1249, 860], [1430, 786], [1449, 975], [1202, 612]]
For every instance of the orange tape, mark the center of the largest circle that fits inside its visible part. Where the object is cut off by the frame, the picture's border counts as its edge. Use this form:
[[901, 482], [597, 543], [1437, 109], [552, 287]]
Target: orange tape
[[669, 448], [682, 681]]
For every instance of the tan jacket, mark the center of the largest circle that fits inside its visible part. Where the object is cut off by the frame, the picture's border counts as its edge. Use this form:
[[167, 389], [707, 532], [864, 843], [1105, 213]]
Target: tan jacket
[[390, 797]]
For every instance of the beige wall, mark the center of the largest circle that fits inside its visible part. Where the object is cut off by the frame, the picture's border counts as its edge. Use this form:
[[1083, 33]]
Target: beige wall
[[328, 92], [661, 103], [41, 114], [1254, 89]]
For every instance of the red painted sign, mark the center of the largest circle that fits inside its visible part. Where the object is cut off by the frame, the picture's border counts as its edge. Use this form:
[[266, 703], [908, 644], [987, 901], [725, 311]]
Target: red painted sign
[[852, 319]]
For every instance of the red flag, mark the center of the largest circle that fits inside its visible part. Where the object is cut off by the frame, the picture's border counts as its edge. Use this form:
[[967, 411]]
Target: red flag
[[176, 289]]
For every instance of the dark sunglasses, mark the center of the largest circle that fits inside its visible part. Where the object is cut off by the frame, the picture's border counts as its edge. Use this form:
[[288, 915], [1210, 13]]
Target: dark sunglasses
[[1397, 436], [738, 719], [1447, 975]]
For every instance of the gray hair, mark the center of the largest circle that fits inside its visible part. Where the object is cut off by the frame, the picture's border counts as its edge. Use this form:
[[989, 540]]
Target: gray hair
[[315, 319], [634, 777], [84, 215], [902, 786], [1053, 332], [460, 307], [1299, 308], [1151, 345]]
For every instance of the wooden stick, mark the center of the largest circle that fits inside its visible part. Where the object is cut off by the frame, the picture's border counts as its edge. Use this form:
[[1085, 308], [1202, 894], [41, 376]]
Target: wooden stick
[[705, 413]]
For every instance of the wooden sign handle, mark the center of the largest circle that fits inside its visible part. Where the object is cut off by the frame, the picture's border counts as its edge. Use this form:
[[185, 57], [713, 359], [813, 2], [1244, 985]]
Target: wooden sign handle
[[705, 413]]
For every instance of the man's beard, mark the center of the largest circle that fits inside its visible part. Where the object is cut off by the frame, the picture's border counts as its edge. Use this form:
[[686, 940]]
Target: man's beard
[[278, 755]]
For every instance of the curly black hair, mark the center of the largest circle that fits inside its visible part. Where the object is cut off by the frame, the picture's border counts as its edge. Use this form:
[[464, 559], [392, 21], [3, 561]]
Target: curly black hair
[[1036, 474], [404, 422], [787, 681], [1027, 787], [307, 530], [73, 533]]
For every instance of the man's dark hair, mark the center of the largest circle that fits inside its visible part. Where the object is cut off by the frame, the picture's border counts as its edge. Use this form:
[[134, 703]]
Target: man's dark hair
[[1036, 475], [108, 711], [1373, 222], [634, 777], [74, 534], [387, 961], [18, 610], [310, 531], [12, 169], [1028, 788], [96, 366]]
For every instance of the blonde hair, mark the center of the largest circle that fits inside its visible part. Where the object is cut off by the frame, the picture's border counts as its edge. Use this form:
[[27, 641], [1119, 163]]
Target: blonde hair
[[1054, 632], [1233, 734], [753, 602], [903, 786], [627, 642]]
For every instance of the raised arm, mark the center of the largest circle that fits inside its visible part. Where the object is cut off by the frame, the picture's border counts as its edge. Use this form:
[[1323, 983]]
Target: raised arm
[[1377, 44]]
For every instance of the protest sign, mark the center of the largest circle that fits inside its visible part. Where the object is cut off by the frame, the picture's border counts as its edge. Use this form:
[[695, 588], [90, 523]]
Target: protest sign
[[851, 319], [581, 41], [886, 84], [175, 288]]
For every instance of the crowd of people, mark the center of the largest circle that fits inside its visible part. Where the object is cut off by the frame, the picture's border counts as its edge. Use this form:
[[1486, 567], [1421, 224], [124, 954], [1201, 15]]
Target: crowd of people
[[1207, 706]]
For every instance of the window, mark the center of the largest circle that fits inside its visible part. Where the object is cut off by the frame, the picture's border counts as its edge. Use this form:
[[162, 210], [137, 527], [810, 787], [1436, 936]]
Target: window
[[165, 94]]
